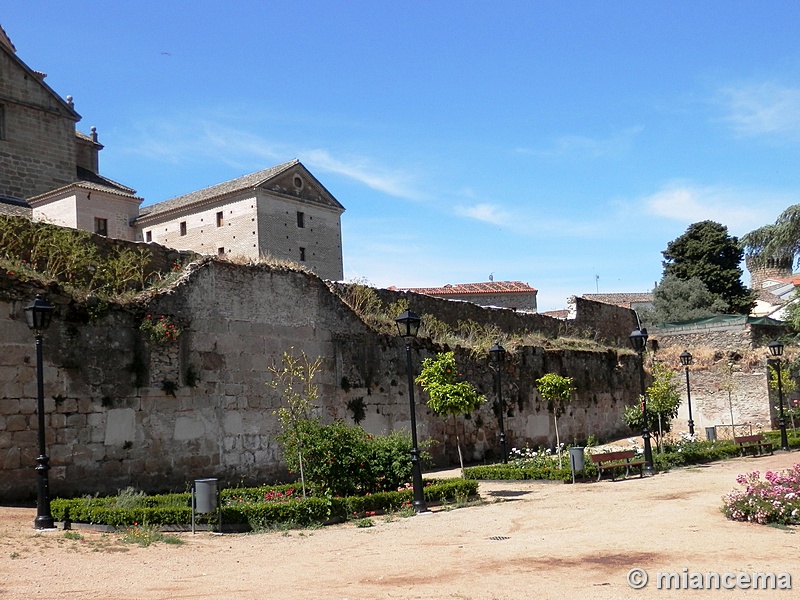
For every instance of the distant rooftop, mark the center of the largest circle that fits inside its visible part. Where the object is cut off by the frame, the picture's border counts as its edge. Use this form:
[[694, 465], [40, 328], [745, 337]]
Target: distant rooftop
[[625, 300], [487, 287]]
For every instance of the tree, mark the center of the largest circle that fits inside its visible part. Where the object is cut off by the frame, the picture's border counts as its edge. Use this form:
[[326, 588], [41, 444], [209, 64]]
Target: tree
[[557, 391], [682, 300], [707, 252], [663, 400], [780, 240], [295, 379], [447, 395]]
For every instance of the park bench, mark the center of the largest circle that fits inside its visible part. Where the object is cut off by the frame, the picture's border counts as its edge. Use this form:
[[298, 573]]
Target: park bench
[[755, 443], [611, 461]]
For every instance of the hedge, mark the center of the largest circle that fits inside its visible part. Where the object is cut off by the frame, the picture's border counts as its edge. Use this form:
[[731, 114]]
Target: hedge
[[175, 509]]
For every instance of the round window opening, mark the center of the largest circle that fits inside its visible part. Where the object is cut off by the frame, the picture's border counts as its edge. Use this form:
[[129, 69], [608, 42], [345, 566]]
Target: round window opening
[[298, 182]]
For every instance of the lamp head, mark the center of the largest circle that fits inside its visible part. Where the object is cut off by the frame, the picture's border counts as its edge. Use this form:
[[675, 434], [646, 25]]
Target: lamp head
[[775, 348], [497, 353], [38, 314], [638, 338], [408, 324], [686, 358]]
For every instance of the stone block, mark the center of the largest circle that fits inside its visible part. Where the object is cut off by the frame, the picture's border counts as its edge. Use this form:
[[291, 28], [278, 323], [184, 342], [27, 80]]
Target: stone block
[[16, 423], [120, 426], [57, 420], [27, 406], [10, 458], [9, 406]]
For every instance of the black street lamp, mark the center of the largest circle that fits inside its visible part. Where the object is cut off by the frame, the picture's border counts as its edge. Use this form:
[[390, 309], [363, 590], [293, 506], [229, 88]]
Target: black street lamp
[[38, 314], [497, 355], [639, 342], [408, 325], [776, 349], [686, 360]]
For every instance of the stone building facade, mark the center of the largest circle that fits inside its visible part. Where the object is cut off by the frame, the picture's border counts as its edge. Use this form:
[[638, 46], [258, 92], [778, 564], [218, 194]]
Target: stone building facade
[[38, 141], [50, 172]]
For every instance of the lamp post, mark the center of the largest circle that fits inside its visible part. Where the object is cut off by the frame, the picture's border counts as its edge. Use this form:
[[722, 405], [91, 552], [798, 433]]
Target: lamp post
[[38, 314], [686, 360], [776, 349], [638, 340], [497, 355], [408, 325]]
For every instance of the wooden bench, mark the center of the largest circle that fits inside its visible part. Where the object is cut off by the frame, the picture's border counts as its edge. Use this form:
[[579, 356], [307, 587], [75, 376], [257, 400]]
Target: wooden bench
[[616, 460], [756, 443]]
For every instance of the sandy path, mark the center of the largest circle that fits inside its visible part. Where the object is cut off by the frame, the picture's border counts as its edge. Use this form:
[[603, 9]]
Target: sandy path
[[551, 541]]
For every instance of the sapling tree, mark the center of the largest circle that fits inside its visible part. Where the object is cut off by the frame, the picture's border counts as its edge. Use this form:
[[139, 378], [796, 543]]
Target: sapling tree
[[788, 385], [294, 378], [557, 391], [663, 400], [447, 395]]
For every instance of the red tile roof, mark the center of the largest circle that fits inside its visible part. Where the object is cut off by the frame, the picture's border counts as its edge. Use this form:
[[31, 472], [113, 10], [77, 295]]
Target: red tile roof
[[487, 287]]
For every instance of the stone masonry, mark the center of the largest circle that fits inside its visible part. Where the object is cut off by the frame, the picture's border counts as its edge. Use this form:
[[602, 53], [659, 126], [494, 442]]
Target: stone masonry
[[113, 421]]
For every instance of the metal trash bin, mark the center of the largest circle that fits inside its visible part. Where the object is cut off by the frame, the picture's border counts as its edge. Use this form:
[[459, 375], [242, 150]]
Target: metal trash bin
[[205, 494], [711, 434], [205, 500], [576, 460]]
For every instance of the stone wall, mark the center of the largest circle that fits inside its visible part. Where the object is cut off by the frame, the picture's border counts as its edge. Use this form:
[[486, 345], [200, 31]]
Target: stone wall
[[112, 421]]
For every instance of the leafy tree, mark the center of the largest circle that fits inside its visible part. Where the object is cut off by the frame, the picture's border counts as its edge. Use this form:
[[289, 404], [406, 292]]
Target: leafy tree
[[557, 391], [682, 300], [781, 240], [295, 380], [663, 400], [707, 252], [447, 395]]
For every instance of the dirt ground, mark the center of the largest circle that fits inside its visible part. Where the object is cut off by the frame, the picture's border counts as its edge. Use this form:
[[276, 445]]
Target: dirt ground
[[526, 540]]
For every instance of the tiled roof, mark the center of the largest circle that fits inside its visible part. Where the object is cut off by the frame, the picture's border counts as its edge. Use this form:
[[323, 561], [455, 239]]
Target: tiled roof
[[14, 207], [556, 314], [487, 287], [213, 192], [91, 181], [620, 299]]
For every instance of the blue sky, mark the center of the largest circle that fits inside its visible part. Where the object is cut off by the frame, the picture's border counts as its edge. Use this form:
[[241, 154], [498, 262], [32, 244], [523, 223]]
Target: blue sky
[[563, 144]]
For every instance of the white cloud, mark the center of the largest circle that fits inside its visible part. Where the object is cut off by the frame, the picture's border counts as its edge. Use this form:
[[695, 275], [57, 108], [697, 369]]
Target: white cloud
[[193, 140], [741, 210], [581, 145], [763, 109], [360, 169], [488, 213]]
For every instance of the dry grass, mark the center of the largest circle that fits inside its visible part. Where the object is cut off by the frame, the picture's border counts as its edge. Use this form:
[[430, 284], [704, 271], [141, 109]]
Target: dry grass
[[708, 358]]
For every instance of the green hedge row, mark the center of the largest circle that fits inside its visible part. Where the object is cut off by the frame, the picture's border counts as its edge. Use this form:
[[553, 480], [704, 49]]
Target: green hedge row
[[251, 509], [511, 472]]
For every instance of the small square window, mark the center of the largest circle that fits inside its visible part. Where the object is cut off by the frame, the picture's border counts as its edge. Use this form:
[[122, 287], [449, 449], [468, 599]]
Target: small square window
[[301, 219], [101, 226], [148, 236], [183, 227], [302, 254], [220, 251], [220, 219]]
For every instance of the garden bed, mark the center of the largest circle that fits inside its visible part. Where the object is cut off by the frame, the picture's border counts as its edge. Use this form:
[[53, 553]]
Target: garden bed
[[249, 508]]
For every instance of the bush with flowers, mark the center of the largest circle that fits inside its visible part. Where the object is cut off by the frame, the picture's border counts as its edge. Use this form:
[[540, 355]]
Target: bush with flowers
[[773, 499], [161, 329]]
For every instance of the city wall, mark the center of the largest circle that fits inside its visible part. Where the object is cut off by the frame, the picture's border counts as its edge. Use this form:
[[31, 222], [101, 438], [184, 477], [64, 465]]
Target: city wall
[[121, 410]]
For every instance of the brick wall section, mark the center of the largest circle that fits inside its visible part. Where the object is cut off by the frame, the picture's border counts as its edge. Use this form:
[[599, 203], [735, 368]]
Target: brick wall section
[[111, 424], [37, 153]]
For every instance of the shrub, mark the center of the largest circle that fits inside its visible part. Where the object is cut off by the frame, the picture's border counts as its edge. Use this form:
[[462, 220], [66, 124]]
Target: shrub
[[260, 507], [774, 499]]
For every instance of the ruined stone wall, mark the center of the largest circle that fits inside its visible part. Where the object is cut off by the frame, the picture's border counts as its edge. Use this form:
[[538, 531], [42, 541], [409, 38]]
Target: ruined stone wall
[[113, 421]]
